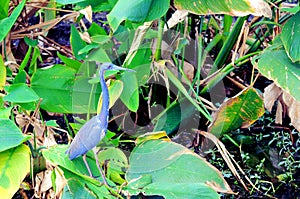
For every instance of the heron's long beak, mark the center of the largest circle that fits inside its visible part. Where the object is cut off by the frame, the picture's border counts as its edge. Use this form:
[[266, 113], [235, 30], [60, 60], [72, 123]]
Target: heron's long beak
[[115, 67]]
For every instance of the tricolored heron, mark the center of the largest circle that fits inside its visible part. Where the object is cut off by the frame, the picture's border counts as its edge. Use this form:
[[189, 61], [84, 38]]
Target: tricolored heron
[[95, 129]]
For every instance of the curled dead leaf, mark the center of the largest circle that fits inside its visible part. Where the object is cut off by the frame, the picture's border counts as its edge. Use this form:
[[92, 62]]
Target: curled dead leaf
[[88, 13], [42, 184], [287, 104]]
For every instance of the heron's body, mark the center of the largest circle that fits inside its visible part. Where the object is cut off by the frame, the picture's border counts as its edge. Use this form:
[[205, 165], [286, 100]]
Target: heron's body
[[95, 129]]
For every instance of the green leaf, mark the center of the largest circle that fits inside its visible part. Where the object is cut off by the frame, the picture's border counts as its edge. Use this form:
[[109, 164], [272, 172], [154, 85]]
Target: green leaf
[[173, 116], [101, 39], [116, 162], [5, 113], [181, 88], [290, 37], [172, 165], [2, 73], [4, 9], [76, 172], [20, 93], [137, 11], [20, 77], [88, 48], [181, 190], [96, 29], [77, 43], [69, 62], [141, 64], [130, 93], [98, 55], [10, 135], [63, 92], [275, 64], [54, 86], [14, 166], [8, 22], [30, 42], [239, 111], [76, 188], [235, 8]]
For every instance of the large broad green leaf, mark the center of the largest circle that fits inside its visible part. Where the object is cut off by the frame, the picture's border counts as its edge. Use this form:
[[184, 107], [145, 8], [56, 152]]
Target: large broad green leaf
[[130, 93], [63, 92], [21, 93], [8, 22], [137, 11], [54, 85], [239, 111], [290, 37], [14, 166], [10, 135], [275, 64], [159, 167], [77, 175], [234, 7]]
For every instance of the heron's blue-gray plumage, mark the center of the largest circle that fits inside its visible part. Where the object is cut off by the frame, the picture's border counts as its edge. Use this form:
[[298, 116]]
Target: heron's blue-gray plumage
[[95, 129]]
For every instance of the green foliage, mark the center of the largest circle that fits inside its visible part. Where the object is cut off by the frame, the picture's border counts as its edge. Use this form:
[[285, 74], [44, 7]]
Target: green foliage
[[168, 170], [4, 9], [154, 166], [236, 7], [10, 134], [289, 38], [137, 11], [276, 62], [14, 166], [7, 22], [130, 93]]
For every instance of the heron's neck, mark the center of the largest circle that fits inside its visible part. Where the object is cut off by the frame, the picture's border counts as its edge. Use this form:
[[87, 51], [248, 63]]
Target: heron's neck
[[103, 116]]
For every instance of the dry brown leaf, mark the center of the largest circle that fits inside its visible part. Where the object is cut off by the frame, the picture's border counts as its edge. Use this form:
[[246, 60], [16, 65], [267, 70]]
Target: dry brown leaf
[[137, 41], [271, 94], [87, 12], [42, 138], [279, 110], [85, 37], [42, 183], [177, 17], [287, 104], [60, 182], [50, 140]]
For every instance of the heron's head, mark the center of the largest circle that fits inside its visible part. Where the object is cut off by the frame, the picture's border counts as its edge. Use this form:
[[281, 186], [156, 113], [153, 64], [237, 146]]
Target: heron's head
[[110, 66]]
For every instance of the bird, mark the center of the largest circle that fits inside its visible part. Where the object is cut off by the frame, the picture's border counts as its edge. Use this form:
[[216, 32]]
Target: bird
[[90, 134]]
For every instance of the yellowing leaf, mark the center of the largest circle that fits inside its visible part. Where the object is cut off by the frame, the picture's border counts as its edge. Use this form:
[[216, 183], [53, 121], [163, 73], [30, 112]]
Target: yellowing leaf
[[114, 90], [239, 111], [2, 73], [234, 7], [14, 166]]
